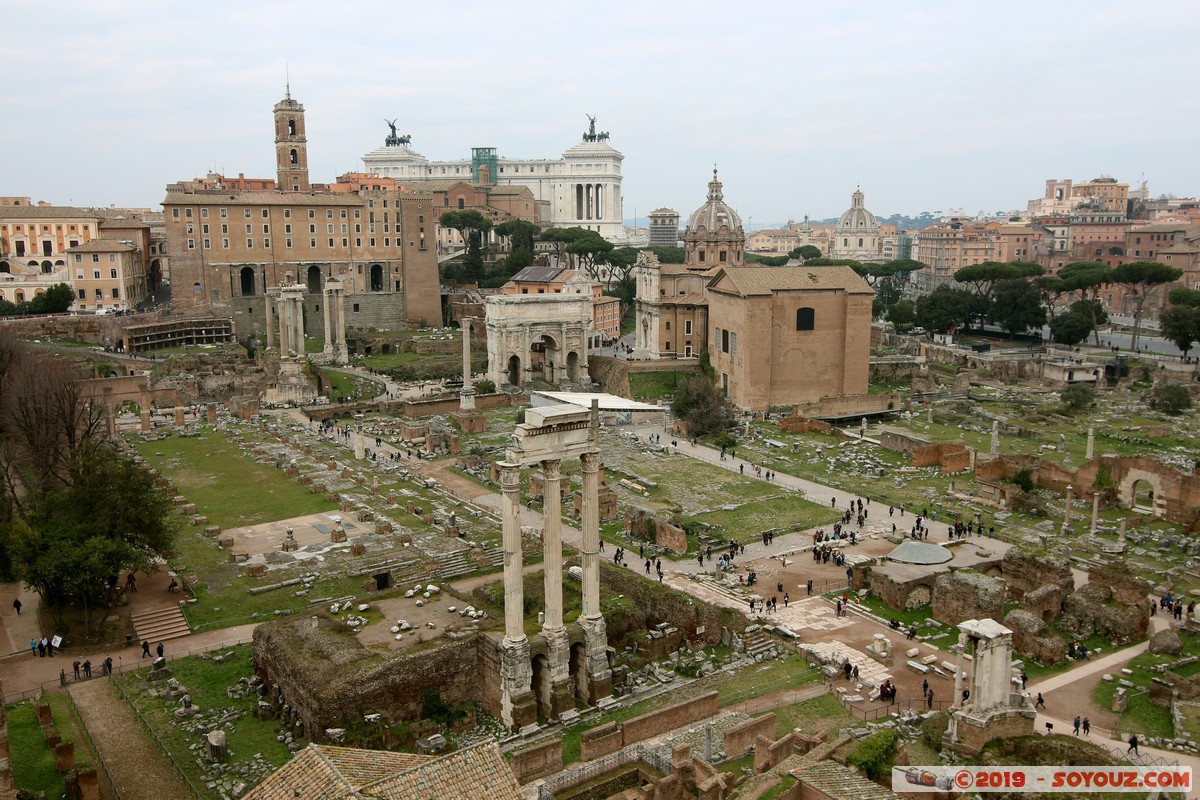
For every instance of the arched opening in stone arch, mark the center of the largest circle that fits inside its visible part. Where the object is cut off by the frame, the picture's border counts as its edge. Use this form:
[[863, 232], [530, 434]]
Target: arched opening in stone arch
[[1142, 496], [313, 279], [514, 371], [545, 356], [376, 278], [573, 367]]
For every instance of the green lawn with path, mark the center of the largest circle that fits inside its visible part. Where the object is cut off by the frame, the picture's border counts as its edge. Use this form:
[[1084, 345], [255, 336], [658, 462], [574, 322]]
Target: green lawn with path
[[228, 487], [206, 682]]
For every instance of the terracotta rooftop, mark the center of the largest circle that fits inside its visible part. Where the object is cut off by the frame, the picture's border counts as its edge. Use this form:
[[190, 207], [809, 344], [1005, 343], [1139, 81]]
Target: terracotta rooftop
[[834, 780], [46, 212], [748, 281], [103, 246], [473, 773], [323, 772]]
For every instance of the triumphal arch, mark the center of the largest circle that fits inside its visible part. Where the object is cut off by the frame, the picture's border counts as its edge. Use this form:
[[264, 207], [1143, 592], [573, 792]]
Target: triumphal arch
[[539, 336], [561, 667]]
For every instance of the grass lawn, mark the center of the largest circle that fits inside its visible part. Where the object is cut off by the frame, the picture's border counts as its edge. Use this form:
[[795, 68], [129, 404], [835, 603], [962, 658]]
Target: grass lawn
[[656, 385], [206, 682], [1141, 716], [747, 521], [812, 715], [226, 486], [32, 761], [345, 385]]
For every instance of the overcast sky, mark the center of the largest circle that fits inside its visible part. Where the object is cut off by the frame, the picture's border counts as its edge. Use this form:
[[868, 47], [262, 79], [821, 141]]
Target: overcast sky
[[928, 105]]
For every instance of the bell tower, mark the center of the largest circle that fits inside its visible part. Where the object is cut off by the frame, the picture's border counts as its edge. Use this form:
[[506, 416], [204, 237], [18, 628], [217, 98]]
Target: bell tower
[[291, 146]]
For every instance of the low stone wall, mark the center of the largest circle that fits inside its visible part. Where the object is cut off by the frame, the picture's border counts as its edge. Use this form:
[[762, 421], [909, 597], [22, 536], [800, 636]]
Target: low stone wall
[[671, 717], [600, 741], [769, 754], [951, 457], [537, 761], [804, 425], [739, 738]]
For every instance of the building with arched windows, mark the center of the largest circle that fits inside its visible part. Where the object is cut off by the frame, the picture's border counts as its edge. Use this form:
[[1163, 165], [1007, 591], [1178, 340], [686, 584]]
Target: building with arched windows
[[857, 233], [231, 245]]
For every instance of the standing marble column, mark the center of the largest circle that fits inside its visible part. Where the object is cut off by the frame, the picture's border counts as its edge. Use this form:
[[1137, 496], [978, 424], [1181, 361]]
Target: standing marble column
[[558, 644], [1095, 511], [518, 707], [1091, 444], [591, 535], [298, 321], [552, 543], [510, 521], [268, 307], [330, 321], [466, 395]]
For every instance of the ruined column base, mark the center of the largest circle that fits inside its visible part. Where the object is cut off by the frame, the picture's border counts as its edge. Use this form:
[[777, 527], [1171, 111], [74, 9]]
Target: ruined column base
[[558, 652], [518, 705], [969, 732], [599, 674]]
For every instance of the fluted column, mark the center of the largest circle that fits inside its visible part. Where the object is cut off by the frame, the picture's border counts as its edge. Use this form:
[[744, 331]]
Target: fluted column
[[330, 321], [552, 543], [510, 522], [298, 319], [268, 303], [591, 534]]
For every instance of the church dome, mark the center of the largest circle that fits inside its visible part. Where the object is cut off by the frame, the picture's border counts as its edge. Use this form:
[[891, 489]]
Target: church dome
[[857, 218], [715, 212]]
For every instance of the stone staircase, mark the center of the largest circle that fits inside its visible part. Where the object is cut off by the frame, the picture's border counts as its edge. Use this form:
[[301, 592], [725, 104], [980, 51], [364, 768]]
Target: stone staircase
[[460, 563], [160, 624], [737, 597], [759, 644]]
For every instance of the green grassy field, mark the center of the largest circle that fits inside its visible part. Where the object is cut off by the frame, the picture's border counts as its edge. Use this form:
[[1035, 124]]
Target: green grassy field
[[226, 486], [32, 761], [654, 386], [747, 521]]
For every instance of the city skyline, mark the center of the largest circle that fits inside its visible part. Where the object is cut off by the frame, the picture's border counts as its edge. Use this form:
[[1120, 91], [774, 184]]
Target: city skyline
[[927, 108]]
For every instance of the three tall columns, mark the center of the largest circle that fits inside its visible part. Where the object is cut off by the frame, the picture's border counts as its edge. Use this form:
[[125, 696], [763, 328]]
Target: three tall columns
[[593, 678]]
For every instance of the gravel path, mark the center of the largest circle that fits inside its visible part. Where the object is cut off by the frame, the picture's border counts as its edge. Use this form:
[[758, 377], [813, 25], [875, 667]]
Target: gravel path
[[138, 767]]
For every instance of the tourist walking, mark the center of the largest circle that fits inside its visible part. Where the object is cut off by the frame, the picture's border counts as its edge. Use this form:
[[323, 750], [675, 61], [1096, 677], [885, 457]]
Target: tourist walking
[[1077, 724], [17, 605], [925, 687], [1133, 746], [145, 648], [929, 699], [1040, 703], [1087, 727], [160, 650]]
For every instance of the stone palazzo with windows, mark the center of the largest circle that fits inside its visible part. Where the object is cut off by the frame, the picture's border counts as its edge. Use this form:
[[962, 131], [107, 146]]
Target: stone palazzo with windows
[[233, 246]]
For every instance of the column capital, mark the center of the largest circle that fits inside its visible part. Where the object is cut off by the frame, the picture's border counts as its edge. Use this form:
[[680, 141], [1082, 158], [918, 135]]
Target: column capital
[[552, 469], [590, 461], [510, 475]]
